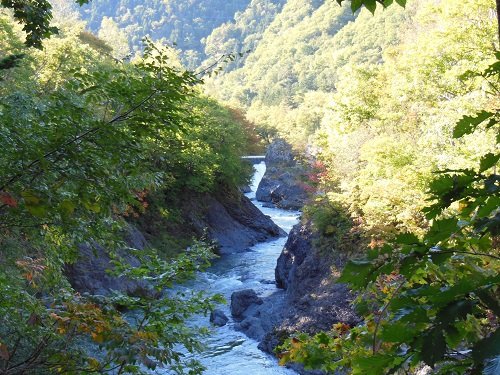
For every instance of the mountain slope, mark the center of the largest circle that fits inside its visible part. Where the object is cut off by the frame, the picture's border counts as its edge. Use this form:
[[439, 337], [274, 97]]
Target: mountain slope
[[184, 23]]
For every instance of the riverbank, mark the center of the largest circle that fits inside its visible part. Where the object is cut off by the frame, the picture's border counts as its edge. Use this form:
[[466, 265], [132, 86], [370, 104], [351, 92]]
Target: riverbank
[[309, 299], [229, 351], [225, 217]]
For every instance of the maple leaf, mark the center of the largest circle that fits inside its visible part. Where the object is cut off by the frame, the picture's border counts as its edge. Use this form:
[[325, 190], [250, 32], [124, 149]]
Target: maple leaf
[[7, 199]]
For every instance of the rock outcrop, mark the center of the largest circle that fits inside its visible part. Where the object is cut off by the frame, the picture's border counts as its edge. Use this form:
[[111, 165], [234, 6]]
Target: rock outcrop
[[242, 300], [316, 301], [253, 316], [90, 272], [297, 248], [228, 217], [218, 318], [311, 300], [281, 184]]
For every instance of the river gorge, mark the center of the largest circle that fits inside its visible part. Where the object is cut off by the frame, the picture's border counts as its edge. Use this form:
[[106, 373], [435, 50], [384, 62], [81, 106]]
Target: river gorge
[[228, 351]]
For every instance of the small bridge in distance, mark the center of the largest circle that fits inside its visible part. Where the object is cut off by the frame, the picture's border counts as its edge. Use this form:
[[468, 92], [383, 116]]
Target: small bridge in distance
[[254, 159]]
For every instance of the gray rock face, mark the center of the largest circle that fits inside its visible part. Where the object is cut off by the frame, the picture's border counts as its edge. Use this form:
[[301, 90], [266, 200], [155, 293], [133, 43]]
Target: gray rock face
[[252, 327], [89, 272], [242, 300], [281, 183], [296, 249], [218, 318], [245, 189], [280, 153], [232, 220], [311, 300], [259, 318], [229, 217]]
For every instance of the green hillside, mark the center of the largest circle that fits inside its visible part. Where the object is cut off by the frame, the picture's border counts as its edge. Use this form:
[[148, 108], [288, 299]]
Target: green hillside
[[183, 23], [355, 89]]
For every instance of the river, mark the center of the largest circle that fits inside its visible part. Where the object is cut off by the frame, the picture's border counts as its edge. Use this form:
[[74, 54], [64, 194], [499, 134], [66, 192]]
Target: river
[[229, 352]]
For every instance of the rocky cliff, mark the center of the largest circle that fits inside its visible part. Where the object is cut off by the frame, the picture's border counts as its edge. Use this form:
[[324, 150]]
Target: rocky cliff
[[312, 301], [315, 301], [226, 216], [234, 222], [282, 183]]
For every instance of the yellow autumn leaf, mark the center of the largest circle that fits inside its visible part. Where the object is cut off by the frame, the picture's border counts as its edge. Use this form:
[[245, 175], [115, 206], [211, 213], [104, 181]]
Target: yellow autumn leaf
[[97, 337]]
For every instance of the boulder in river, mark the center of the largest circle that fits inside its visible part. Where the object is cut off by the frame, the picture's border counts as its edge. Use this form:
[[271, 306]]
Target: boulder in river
[[242, 300], [218, 318]]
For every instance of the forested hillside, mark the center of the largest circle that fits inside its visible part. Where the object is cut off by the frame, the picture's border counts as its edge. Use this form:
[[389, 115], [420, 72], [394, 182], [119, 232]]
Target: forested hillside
[[374, 97], [181, 23], [242, 35], [92, 147]]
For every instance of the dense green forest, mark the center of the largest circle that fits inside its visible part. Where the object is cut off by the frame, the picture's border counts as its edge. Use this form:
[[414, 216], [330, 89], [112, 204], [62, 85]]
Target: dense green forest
[[395, 108], [182, 23], [374, 98]]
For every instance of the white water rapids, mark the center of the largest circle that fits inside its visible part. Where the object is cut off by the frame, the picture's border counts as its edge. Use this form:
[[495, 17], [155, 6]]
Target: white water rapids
[[229, 352]]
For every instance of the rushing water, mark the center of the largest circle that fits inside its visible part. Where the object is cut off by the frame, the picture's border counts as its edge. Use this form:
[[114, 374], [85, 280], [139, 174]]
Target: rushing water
[[230, 352]]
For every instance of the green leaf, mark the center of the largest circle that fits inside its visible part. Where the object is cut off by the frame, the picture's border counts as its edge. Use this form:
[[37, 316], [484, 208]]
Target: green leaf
[[468, 124], [491, 204], [488, 161], [462, 288], [398, 332], [433, 346], [356, 4], [375, 364], [409, 265], [487, 348], [410, 314], [407, 239], [439, 258], [490, 300], [454, 336], [455, 310], [371, 5], [441, 230], [387, 3], [323, 338], [356, 273]]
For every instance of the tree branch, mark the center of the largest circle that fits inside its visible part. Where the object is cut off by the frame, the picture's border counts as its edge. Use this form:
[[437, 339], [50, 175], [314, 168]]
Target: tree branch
[[75, 139]]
